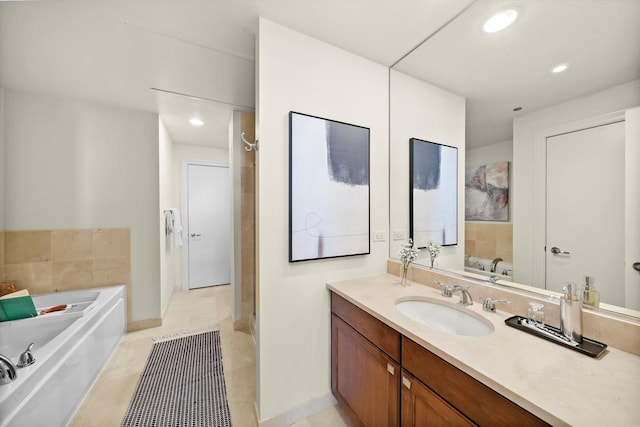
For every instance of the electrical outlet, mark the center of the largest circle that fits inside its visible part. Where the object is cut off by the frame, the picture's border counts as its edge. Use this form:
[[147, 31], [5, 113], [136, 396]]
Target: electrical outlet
[[379, 236], [398, 234]]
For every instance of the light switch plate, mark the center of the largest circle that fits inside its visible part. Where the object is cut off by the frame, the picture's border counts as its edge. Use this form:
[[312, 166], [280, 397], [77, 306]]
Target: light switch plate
[[379, 236], [398, 234]]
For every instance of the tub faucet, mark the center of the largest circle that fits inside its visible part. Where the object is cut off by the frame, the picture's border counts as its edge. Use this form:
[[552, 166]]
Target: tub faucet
[[7, 370], [494, 264], [465, 296], [26, 358]]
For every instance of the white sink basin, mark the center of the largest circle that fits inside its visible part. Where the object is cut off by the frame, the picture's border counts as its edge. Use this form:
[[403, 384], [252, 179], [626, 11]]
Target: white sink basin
[[445, 317]]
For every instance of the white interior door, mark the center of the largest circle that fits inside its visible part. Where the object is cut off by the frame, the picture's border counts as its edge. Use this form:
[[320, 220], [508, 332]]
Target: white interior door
[[586, 210], [208, 225]]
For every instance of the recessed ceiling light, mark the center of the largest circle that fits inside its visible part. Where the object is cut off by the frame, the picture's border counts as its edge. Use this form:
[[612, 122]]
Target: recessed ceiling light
[[196, 122], [500, 20], [559, 68]]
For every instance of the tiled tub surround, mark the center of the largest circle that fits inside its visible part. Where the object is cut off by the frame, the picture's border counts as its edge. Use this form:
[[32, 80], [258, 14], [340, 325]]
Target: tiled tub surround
[[489, 240], [556, 384], [45, 261]]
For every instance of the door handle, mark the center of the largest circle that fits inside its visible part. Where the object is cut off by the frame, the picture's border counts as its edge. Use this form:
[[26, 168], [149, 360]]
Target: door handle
[[195, 235], [557, 251], [636, 266]]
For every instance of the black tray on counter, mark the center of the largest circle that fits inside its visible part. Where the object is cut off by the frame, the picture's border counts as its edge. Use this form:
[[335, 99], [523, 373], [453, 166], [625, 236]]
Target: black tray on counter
[[587, 346]]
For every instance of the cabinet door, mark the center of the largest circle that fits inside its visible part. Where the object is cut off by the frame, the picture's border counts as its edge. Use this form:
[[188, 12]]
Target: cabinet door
[[422, 407], [363, 379]]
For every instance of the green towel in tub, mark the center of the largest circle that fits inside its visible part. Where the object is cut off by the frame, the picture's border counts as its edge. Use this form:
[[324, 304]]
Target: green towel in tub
[[17, 308]]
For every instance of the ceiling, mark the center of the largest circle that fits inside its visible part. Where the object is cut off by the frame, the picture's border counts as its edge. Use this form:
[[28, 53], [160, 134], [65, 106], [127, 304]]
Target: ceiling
[[148, 54]]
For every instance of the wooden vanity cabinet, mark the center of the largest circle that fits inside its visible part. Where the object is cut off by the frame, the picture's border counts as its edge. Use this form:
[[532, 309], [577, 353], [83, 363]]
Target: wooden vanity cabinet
[[382, 378], [364, 378]]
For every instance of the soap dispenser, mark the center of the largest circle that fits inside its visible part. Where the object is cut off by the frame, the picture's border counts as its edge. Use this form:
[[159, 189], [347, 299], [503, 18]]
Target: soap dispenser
[[590, 296], [571, 313]]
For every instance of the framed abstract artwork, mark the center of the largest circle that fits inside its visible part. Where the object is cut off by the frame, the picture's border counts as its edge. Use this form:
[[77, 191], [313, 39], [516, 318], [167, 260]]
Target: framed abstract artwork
[[486, 192], [433, 193], [329, 206]]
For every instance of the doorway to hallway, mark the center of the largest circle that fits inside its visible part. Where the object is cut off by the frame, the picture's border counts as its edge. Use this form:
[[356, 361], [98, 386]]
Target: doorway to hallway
[[207, 205]]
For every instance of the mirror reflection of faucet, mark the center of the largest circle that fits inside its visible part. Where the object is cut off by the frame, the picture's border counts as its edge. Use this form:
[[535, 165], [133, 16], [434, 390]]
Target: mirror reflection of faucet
[[494, 264]]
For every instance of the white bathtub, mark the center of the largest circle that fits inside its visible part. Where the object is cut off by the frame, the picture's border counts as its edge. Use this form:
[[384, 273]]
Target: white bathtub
[[70, 349]]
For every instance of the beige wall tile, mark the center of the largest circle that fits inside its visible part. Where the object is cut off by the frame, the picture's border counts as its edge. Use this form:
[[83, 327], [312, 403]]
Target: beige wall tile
[[248, 181], [486, 249], [68, 275], [486, 232], [490, 240], [248, 208], [111, 271], [71, 245], [27, 246], [470, 248], [470, 230], [113, 242], [505, 251], [504, 232], [36, 277]]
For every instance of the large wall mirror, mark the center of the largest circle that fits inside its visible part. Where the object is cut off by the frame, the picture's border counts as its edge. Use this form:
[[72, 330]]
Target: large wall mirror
[[571, 141]]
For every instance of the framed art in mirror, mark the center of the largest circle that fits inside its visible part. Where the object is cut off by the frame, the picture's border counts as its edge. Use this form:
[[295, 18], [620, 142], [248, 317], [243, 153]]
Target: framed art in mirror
[[486, 190], [433, 193], [329, 207]]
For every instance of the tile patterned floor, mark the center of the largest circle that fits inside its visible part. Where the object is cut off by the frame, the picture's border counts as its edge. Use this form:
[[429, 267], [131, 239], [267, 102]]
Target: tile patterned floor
[[198, 310]]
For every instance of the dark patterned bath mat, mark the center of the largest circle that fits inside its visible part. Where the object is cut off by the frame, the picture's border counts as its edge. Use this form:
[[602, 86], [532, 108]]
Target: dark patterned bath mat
[[181, 385]]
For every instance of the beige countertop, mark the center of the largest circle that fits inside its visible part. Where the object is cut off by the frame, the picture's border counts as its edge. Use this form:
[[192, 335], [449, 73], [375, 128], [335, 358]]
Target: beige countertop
[[561, 386]]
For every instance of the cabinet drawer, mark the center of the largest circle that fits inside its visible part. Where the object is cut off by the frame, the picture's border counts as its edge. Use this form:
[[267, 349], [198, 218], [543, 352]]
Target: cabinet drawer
[[475, 400], [384, 337], [422, 407]]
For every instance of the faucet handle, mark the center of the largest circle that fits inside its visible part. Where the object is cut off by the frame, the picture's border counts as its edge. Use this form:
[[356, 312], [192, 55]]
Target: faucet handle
[[26, 358], [490, 304], [446, 289]]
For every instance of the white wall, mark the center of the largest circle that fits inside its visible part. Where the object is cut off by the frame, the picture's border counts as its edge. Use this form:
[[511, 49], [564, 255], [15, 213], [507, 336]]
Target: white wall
[[494, 153], [169, 255], [71, 164], [2, 170], [180, 154], [299, 73], [528, 177], [421, 110], [632, 207]]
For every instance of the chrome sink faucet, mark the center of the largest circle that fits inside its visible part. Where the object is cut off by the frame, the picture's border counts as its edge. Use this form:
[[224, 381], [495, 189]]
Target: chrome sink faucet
[[465, 296]]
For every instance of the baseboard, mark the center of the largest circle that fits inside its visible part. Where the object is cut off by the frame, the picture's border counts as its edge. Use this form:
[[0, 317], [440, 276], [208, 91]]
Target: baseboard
[[241, 325], [301, 412], [143, 324]]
